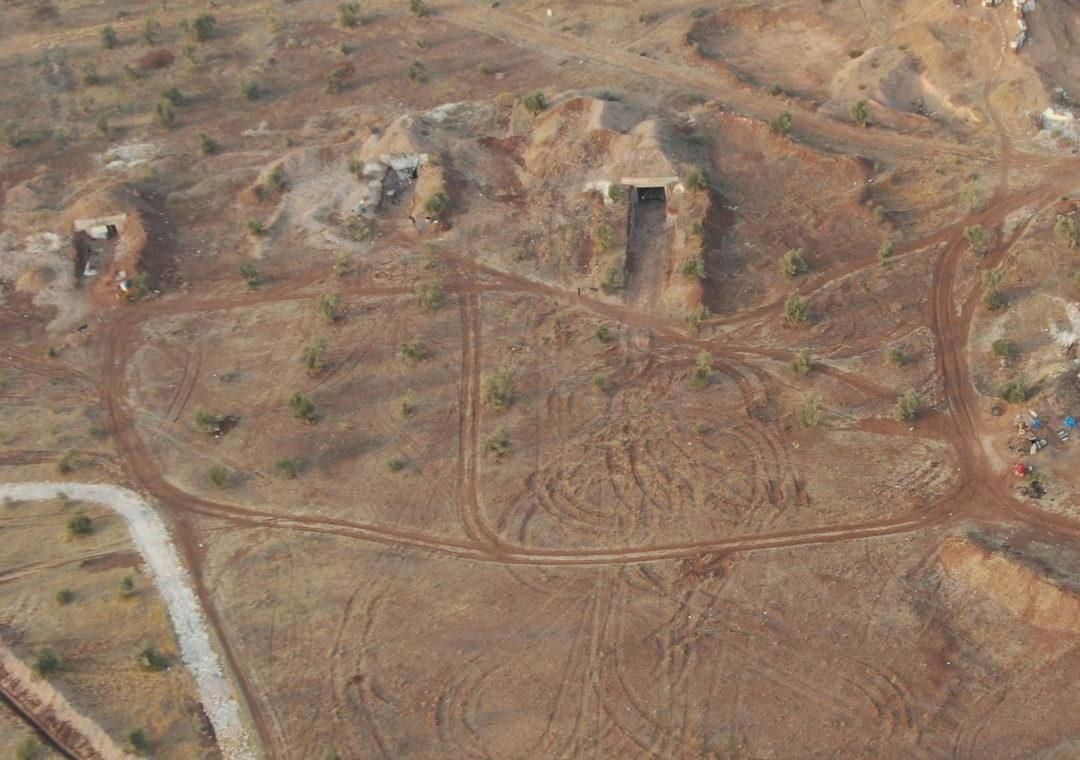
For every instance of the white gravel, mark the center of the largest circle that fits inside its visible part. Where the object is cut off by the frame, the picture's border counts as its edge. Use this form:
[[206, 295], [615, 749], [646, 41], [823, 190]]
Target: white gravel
[[172, 581]]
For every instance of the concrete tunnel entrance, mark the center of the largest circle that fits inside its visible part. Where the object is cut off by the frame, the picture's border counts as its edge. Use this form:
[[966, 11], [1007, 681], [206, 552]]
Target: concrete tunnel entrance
[[647, 238]]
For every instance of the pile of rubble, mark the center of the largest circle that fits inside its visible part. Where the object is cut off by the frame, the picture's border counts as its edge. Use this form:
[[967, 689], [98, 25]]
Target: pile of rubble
[[1021, 7]]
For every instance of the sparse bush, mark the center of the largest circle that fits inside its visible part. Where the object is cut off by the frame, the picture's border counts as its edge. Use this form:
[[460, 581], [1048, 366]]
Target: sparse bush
[[407, 405], [208, 422], [886, 250], [396, 465], [417, 72], [414, 350], [303, 408], [109, 39], [313, 356], [535, 102], [701, 376], [797, 310], [287, 468], [437, 204], [696, 179], [103, 125], [46, 662], [65, 596], [810, 411], [860, 111], [14, 136], [604, 235], [879, 214], [349, 15], [697, 228], [67, 461], [1015, 391], [131, 72], [604, 334], [275, 180], [907, 406], [776, 90], [499, 389], [895, 356], [701, 12], [151, 659], [696, 317], [781, 125], [335, 80], [150, 32], [219, 476], [137, 740], [80, 525], [127, 587], [991, 296], [615, 192], [29, 749], [202, 27], [256, 228], [976, 237], [330, 307], [693, 267], [802, 363], [973, 194], [251, 90], [1068, 230], [612, 279], [90, 74], [793, 263], [173, 95], [251, 275], [431, 295], [602, 383], [166, 113], [343, 265], [1003, 348], [498, 444], [419, 8]]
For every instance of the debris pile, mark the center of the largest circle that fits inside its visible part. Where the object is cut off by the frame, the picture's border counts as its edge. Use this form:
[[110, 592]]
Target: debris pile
[[1021, 7]]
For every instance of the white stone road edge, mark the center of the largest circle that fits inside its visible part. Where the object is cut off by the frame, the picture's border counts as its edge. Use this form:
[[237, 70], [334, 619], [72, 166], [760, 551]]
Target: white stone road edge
[[173, 583]]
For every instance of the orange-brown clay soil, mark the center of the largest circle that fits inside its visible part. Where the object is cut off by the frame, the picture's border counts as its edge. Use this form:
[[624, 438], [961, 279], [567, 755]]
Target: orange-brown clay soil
[[563, 489]]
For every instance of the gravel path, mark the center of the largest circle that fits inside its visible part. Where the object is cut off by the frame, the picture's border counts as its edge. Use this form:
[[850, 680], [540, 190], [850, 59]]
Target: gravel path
[[172, 581]]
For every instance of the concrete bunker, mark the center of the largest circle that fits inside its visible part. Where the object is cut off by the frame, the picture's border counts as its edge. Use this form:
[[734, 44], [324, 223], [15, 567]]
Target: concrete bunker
[[647, 237], [93, 241]]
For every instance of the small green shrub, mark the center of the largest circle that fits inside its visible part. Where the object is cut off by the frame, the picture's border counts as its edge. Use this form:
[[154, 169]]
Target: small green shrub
[[430, 295], [781, 125], [604, 334], [793, 263], [1015, 391], [173, 95], [151, 659], [886, 250], [879, 214], [166, 113], [1068, 230], [396, 465], [419, 8], [802, 363], [797, 310], [219, 476], [615, 193], [349, 15], [256, 228], [695, 318], [976, 237], [46, 662], [860, 111], [417, 72], [810, 411], [437, 204], [251, 90], [1003, 348], [498, 445], [65, 596], [895, 356], [313, 356], [907, 406], [407, 405], [251, 275], [29, 749], [303, 408], [702, 374], [696, 179], [535, 102], [499, 389], [208, 422], [109, 39], [127, 587], [67, 462], [604, 235], [612, 279], [288, 468], [413, 350], [137, 740], [202, 27], [602, 383], [80, 525], [693, 267], [330, 307], [150, 31]]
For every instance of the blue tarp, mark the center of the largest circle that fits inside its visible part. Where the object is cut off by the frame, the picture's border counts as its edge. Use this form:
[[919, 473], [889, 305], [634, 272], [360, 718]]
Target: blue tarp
[[1036, 424], [1070, 422]]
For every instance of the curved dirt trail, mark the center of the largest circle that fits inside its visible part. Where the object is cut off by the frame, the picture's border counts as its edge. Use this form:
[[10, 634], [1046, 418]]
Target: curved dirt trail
[[152, 540]]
